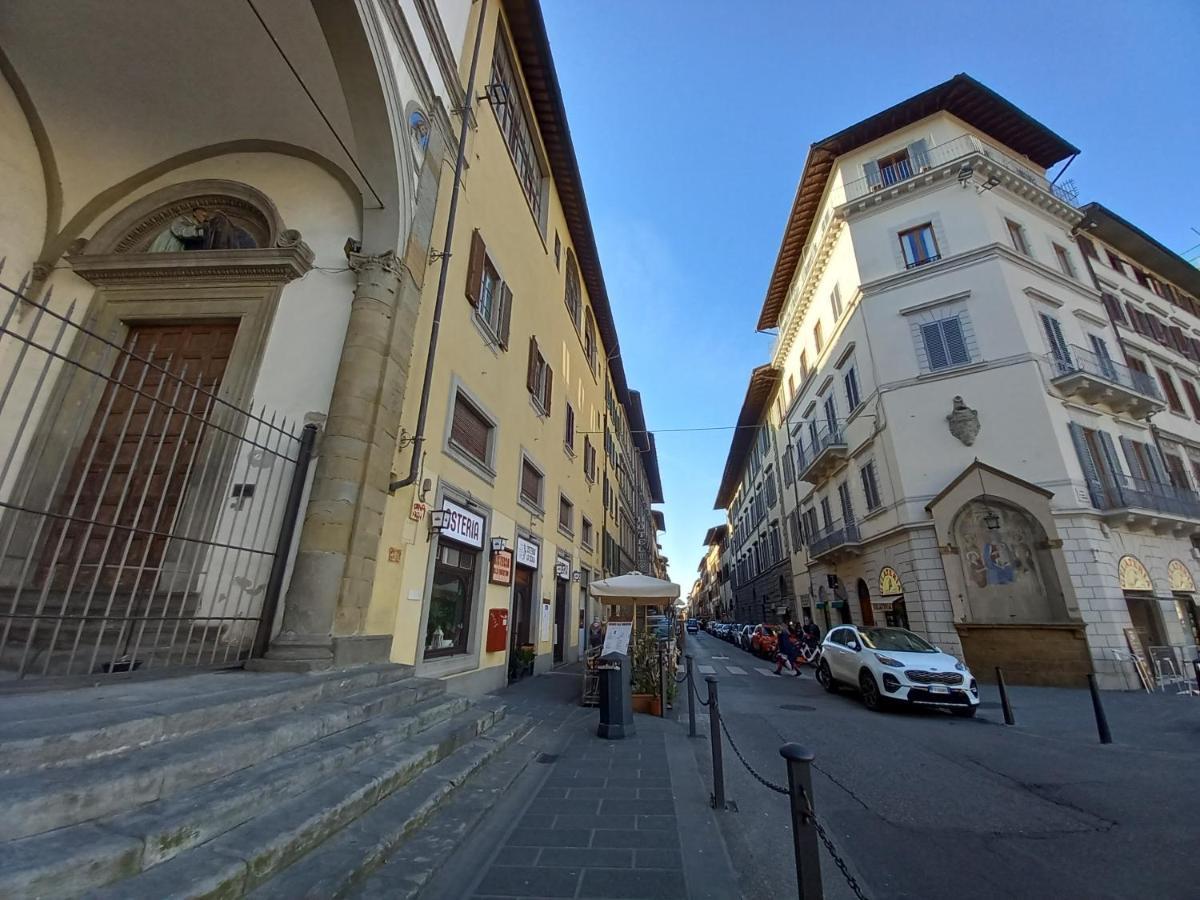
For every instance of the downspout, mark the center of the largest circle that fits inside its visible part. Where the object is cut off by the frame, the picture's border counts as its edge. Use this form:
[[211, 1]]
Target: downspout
[[418, 440]]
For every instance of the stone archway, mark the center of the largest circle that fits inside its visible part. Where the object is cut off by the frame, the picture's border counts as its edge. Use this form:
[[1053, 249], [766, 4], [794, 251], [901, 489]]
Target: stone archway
[[864, 603]]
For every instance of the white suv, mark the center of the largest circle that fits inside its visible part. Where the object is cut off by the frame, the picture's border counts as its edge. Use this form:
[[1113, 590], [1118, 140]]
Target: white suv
[[893, 664]]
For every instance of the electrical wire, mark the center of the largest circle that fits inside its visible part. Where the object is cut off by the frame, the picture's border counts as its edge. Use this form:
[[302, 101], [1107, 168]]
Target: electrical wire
[[337, 137]]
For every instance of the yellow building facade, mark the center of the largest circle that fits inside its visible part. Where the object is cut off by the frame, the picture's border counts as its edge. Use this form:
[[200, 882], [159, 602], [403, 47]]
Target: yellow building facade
[[484, 562]]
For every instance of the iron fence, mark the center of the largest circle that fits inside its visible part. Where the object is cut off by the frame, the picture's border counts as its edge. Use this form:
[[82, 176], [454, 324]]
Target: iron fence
[[145, 517]]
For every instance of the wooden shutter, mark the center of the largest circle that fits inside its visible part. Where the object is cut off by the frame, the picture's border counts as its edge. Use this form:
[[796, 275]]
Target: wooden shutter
[[475, 267], [935, 348], [1089, 249], [549, 388], [1058, 344], [871, 170], [918, 156], [506, 298], [531, 371], [470, 430], [569, 434], [1090, 473], [1113, 305], [530, 483], [956, 344]]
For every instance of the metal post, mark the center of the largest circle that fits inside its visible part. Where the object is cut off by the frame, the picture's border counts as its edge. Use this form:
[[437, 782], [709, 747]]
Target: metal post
[[1196, 666], [662, 680], [691, 689], [1008, 713], [287, 528], [714, 730], [804, 833], [1098, 708]]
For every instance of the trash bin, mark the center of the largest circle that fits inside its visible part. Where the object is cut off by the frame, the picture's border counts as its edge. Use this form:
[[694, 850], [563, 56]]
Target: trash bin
[[616, 697]]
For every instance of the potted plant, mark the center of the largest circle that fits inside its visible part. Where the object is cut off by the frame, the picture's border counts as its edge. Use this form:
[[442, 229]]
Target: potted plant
[[645, 674], [521, 661]]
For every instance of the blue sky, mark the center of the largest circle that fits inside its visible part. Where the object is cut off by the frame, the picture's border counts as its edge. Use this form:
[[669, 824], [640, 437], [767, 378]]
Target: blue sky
[[691, 121]]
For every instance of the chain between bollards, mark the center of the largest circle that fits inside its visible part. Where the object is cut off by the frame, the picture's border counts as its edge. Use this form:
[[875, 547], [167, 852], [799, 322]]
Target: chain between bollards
[[1098, 709], [714, 728], [1009, 719], [691, 692]]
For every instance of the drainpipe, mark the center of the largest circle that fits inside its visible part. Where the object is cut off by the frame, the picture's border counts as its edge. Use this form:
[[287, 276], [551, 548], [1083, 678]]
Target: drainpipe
[[465, 114]]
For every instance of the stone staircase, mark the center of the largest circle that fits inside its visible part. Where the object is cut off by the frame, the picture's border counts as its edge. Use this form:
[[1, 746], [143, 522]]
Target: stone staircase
[[232, 784]]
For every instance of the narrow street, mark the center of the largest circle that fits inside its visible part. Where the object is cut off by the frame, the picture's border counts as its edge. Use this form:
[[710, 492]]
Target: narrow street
[[924, 805]]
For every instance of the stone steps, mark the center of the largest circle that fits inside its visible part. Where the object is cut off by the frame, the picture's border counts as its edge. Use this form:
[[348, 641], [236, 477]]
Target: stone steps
[[56, 728], [128, 842], [58, 796], [341, 811]]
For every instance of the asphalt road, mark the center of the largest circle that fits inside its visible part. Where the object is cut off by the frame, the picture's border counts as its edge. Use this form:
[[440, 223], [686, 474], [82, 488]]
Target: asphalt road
[[927, 806]]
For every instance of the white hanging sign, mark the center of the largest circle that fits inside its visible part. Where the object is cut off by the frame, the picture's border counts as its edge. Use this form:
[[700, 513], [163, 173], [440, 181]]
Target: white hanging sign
[[462, 525], [527, 553]]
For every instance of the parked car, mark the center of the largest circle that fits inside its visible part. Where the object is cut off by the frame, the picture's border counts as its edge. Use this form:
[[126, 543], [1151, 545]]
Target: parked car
[[745, 633], [889, 665], [693, 626], [764, 640]]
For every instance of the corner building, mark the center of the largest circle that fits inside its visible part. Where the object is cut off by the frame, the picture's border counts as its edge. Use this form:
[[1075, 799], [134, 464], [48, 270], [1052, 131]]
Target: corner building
[[987, 396]]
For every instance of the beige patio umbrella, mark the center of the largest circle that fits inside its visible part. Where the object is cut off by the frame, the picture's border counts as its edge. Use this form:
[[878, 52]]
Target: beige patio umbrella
[[634, 589]]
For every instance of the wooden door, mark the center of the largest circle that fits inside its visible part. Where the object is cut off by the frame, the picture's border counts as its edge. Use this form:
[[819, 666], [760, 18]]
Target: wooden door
[[560, 619], [140, 452]]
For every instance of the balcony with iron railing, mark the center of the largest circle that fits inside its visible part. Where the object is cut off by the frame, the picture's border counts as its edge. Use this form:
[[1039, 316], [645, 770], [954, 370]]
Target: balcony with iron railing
[[822, 453], [961, 149], [1101, 381], [1139, 501], [840, 538]]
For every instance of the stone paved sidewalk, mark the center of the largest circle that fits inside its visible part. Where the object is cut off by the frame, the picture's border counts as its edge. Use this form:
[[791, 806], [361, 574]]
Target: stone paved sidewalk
[[603, 824]]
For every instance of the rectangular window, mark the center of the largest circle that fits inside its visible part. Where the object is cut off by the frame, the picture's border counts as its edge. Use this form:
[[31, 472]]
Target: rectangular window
[[826, 513], [470, 431], [1115, 262], [1017, 235], [487, 293], [789, 469], [818, 337], [1100, 348], [835, 302], [566, 515], [1168, 386], [945, 345], [539, 380], [831, 413], [772, 490], [531, 484], [850, 380], [1115, 311], [557, 250], [569, 436], [586, 533], [847, 508], [1064, 261], [794, 523], [919, 246], [1176, 471], [803, 365], [589, 460], [870, 485], [1056, 341], [1137, 365], [450, 599], [791, 387], [1193, 397], [509, 106]]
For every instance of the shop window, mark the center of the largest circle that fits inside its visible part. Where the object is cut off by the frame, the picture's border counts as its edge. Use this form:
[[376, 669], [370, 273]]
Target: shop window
[[450, 600]]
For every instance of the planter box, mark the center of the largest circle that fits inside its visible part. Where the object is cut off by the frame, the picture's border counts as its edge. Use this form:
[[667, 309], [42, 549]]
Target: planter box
[[647, 703]]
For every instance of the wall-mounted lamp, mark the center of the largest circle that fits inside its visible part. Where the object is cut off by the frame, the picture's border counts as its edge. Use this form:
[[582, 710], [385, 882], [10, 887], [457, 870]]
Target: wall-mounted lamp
[[498, 544], [437, 521], [990, 519]]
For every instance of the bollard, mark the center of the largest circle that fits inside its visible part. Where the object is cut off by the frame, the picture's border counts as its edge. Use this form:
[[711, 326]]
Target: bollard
[[1008, 713], [714, 729], [662, 680], [1098, 708], [691, 689], [804, 833]]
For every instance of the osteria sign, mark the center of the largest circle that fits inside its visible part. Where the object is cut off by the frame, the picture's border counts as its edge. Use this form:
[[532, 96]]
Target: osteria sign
[[461, 525]]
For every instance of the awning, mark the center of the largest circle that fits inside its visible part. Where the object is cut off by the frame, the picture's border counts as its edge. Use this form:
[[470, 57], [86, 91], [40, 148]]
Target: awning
[[633, 588]]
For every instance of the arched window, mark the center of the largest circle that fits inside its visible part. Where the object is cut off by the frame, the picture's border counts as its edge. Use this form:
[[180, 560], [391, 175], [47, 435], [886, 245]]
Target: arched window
[[589, 340], [418, 132], [572, 295]]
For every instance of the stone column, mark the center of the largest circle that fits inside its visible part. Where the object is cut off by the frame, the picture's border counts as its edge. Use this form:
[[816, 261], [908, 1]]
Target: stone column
[[325, 609]]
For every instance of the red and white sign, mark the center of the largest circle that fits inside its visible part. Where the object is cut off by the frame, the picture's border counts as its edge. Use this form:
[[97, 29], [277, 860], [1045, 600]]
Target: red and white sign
[[461, 525], [417, 513]]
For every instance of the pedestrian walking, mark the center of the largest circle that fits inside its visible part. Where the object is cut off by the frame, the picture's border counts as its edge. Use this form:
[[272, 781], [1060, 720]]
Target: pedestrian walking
[[786, 651]]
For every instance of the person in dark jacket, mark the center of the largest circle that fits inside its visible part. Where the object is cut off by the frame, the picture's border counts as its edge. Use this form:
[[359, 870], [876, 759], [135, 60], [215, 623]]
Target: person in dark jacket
[[786, 651], [812, 633]]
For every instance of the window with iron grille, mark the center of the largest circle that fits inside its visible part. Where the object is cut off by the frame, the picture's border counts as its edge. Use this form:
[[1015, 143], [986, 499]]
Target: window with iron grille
[[470, 431], [531, 484], [919, 246], [509, 106]]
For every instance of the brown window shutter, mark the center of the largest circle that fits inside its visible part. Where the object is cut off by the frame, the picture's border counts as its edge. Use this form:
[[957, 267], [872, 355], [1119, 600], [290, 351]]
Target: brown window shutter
[[505, 315], [531, 372], [530, 480], [469, 429], [549, 387], [1089, 249], [475, 267]]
